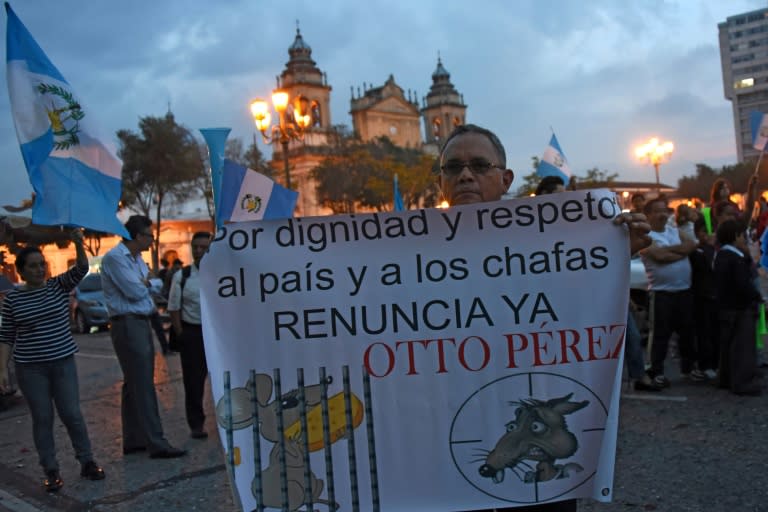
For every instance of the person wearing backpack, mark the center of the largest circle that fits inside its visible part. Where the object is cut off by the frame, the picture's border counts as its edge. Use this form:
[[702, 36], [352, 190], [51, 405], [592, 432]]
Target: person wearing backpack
[[184, 309]]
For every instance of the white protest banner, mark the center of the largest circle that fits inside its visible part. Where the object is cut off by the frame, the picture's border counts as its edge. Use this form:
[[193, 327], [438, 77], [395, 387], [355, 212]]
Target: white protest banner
[[493, 334]]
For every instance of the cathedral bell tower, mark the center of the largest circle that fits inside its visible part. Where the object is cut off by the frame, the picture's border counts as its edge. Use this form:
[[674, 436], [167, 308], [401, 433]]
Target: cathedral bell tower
[[443, 108], [308, 86]]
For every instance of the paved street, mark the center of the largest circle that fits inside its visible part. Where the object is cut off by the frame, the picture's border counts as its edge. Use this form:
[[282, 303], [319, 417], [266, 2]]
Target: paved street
[[136, 482], [691, 448]]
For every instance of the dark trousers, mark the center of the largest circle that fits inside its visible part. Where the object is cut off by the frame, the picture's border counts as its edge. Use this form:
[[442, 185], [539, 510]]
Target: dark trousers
[[738, 354], [157, 326], [45, 385], [707, 332], [132, 340], [194, 371], [633, 349], [671, 312]]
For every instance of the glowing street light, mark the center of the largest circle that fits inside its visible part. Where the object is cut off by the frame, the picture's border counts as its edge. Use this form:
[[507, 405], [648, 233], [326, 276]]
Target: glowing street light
[[293, 119], [654, 153]]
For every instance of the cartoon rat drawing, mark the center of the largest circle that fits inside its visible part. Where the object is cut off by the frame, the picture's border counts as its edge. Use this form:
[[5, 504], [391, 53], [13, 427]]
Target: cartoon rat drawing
[[538, 433], [294, 456]]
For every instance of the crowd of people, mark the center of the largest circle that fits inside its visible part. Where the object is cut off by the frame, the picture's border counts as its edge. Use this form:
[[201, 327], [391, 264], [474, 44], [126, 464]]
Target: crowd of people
[[703, 287], [35, 332]]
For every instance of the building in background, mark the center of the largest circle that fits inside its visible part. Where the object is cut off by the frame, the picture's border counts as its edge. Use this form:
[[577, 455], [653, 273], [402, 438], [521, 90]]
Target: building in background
[[302, 78], [744, 60], [386, 110], [443, 110]]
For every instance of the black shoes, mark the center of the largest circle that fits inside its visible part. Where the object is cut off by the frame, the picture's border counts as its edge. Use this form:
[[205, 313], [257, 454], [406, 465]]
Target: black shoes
[[168, 453], [53, 481], [92, 471], [198, 433], [647, 384], [89, 470], [134, 449]]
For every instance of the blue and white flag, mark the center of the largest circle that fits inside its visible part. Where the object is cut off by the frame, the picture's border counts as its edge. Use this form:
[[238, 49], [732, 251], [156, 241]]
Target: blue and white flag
[[249, 195], [759, 124], [553, 162], [76, 177], [397, 202]]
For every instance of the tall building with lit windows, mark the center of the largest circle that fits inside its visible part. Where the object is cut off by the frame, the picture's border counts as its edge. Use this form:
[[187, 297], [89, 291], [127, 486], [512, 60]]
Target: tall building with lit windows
[[744, 59]]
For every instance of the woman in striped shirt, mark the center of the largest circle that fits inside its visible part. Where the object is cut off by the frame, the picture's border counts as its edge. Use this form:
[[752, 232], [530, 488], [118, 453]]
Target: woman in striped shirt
[[36, 329]]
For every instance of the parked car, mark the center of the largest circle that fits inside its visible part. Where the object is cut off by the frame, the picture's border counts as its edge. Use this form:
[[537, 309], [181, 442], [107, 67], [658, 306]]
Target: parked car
[[87, 305]]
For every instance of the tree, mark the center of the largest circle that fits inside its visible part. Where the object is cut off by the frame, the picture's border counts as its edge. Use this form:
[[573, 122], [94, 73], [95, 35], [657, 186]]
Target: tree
[[358, 174], [530, 182], [160, 162], [596, 177], [699, 185], [93, 240]]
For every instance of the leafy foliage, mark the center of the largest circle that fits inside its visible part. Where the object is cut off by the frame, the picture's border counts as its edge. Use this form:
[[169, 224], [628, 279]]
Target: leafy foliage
[[360, 175], [530, 182], [596, 176], [699, 185], [160, 162]]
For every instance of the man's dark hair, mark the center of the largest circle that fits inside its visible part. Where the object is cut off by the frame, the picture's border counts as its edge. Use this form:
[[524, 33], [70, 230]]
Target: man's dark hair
[[473, 128], [648, 204], [137, 223], [637, 194], [549, 184], [201, 234], [729, 230], [23, 255]]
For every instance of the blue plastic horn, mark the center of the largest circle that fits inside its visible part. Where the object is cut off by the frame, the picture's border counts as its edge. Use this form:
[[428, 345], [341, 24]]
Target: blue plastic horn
[[216, 138]]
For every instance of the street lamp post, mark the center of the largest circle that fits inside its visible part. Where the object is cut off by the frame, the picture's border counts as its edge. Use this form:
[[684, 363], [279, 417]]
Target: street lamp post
[[293, 119], [655, 152]]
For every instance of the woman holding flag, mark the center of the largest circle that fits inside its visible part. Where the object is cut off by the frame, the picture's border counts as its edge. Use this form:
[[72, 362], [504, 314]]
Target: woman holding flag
[[36, 327]]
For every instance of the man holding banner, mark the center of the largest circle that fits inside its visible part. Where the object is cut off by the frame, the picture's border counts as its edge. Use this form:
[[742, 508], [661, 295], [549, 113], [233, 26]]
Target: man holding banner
[[469, 162], [469, 376]]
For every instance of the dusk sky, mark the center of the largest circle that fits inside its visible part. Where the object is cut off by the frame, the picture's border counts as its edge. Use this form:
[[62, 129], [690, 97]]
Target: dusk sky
[[605, 75]]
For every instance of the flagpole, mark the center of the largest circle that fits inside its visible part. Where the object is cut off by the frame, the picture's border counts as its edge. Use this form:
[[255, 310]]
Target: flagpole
[[759, 159]]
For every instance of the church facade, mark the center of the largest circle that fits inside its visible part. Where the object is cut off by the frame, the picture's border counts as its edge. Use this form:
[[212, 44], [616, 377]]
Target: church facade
[[386, 110]]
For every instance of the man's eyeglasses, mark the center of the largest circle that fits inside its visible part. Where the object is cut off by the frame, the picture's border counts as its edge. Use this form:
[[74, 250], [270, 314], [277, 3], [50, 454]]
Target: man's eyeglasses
[[148, 235], [478, 167]]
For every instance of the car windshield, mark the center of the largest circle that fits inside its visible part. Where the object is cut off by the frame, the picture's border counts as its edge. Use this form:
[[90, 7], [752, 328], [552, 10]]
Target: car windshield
[[90, 283]]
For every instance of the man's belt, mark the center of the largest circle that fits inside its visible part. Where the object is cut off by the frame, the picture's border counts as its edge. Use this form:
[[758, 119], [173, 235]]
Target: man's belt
[[135, 316]]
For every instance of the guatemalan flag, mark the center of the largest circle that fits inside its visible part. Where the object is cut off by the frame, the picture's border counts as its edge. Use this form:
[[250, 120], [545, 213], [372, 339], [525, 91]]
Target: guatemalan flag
[[553, 162], [759, 124], [76, 177], [249, 195]]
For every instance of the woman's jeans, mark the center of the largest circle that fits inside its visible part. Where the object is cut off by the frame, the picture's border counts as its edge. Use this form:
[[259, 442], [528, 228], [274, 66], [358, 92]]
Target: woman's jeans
[[45, 384]]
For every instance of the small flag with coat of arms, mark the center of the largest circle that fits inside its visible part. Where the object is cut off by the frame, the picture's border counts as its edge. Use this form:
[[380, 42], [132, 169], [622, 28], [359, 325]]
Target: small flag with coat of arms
[[249, 195], [553, 162], [75, 175]]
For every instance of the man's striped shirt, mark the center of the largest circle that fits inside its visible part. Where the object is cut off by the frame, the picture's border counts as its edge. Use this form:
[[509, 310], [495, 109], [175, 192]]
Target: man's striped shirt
[[36, 321]]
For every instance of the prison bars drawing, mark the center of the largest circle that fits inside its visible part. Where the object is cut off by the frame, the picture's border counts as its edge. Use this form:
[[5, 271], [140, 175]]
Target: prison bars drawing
[[330, 487]]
